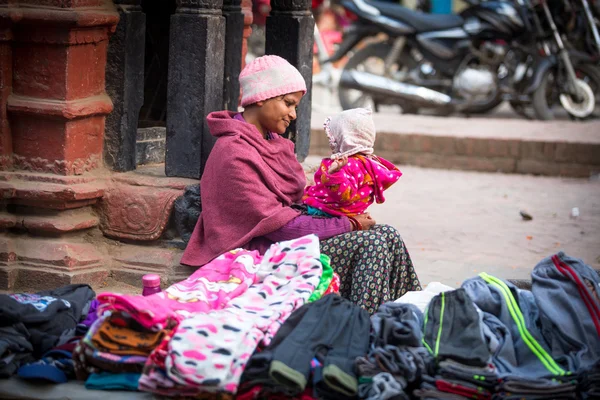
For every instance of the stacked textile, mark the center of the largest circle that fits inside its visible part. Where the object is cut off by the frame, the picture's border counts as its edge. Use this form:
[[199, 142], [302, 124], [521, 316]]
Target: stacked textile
[[567, 295], [521, 354], [453, 334], [114, 351], [249, 326], [312, 354], [55, 366], [33, 324], [396, 361], [589, 382], [216, 318]]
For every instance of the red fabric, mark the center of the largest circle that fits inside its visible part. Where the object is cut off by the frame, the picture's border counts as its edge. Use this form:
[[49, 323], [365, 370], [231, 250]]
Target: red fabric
[[448, 387], [589, 302], [251, 394], [334, 285], [256, 392], [246, 191]]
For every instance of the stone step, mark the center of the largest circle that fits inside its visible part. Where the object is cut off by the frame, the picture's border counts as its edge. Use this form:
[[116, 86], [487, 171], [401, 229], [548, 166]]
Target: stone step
[[554, 148], [150, 145]]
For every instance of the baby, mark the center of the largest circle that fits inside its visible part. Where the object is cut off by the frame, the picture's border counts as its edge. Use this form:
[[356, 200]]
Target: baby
[[348, 182]]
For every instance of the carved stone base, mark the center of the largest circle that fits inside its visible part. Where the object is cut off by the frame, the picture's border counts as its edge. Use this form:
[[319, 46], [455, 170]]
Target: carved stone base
[[137, 205], [49, 222], [130, 263], [29, 263], [48, 191]]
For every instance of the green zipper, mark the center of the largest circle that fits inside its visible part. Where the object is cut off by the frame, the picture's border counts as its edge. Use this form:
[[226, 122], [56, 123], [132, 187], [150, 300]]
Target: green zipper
[[424, 330], [437, 342], [517, 316], [439, 335]]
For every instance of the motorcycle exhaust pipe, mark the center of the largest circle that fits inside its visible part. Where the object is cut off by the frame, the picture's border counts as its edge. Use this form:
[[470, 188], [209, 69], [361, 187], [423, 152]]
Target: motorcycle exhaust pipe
[[379, 85]]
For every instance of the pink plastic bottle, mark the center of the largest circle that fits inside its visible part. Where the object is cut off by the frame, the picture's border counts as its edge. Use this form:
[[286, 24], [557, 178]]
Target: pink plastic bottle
[[151, 284]]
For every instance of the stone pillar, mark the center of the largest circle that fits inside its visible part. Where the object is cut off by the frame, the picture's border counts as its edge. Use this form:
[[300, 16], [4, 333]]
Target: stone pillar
[[196, 59], [56, 111], [5, 90], [234, 22], [125, 85], [290, 28]]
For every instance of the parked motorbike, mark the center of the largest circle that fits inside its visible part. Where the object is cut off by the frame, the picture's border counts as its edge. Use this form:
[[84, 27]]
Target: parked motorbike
[[469, 62], [576, 22], [561, 81]]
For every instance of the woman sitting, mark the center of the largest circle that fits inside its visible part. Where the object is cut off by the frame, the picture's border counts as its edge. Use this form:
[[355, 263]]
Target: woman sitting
[[252, 185]]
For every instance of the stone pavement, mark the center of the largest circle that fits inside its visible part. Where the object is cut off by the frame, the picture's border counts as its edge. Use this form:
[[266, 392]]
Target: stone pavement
[[459, 223]]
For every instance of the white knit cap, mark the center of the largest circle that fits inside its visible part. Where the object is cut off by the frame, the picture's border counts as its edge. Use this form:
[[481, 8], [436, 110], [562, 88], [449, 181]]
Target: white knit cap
[[351, 132]]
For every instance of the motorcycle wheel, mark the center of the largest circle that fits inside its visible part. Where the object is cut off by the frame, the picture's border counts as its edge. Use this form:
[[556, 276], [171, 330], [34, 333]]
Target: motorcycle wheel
[[590, 74], [546, 96], [369, 59]]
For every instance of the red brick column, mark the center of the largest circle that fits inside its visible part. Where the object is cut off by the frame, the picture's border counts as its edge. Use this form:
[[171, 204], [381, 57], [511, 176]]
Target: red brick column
[[53, 105], [247, 10], [58, 102]]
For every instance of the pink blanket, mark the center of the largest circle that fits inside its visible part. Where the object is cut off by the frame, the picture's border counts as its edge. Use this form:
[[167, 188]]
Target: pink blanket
[[247, 188], [209, 288]]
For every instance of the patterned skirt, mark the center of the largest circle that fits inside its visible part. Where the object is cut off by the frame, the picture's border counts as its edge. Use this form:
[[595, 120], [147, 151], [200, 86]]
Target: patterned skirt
[[374, 266]]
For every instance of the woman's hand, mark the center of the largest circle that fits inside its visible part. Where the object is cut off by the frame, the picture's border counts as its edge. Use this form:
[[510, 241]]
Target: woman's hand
[[365, 220], [338, 164]]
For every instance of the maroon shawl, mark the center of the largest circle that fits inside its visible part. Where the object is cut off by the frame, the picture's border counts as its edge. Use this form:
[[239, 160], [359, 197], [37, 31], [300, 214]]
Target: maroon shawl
[[247, 188]]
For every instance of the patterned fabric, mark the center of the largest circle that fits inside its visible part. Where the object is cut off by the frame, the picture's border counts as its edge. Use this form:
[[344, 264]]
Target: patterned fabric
[[91, 354], [39, 302], [334, 285], [374, 266], [208, 351], [352, 189], [208, 288], [123, 340], [155, 379]]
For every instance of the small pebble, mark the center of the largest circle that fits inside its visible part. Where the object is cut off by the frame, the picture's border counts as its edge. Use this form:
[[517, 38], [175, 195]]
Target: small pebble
[[525, 215]]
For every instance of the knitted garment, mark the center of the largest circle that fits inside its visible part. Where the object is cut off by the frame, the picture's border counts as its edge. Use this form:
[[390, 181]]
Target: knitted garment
[[267, 77], [351, 132]]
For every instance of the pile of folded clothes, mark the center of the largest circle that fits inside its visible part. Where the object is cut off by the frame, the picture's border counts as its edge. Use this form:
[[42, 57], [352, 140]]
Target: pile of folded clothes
[[31, 325], [396, 361]]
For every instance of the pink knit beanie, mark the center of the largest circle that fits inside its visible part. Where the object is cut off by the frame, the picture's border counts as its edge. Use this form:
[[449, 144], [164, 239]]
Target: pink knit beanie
[[267, 77]]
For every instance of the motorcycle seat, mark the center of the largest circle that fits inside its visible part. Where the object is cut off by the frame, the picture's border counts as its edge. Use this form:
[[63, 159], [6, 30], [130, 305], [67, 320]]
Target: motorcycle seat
[[422, 22]]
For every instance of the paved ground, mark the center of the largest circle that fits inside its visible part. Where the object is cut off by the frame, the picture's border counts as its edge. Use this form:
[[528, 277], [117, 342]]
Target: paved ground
[[457, 224]]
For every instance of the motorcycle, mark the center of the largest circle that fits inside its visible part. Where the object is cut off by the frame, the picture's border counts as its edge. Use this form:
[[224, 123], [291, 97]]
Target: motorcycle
[[574, 21], [561, 72], [469, 62]]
